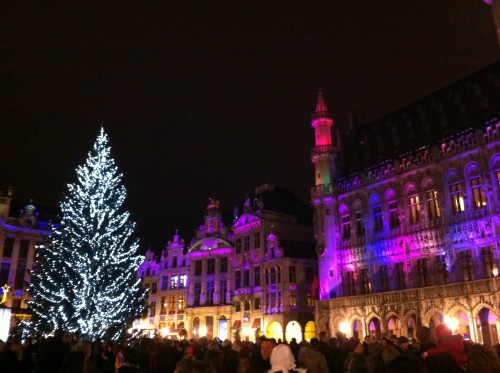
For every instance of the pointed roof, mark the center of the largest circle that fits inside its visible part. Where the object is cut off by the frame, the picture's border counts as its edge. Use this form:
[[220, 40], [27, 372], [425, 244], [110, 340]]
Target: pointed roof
[[321, 104]]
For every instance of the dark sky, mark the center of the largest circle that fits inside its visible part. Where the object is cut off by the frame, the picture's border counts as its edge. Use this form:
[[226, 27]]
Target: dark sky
[[204, 101]]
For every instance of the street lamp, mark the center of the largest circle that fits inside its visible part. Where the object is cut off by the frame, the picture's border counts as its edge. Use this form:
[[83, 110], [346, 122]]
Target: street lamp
[[452, 323]]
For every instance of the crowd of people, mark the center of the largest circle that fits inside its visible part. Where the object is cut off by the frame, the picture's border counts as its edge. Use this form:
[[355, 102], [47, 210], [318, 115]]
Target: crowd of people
[[438, 352]]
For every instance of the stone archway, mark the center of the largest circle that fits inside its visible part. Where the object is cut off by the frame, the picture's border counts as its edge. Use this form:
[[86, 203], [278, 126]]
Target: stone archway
[[357, 329], [374, 328], [486, 324], [310, 331], [274, 330], [461, 318], [293, 330], [393, 326]]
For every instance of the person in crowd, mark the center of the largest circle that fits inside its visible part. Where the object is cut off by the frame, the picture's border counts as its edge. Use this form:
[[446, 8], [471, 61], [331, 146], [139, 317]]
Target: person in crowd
[[389, 351], [426, 341], [482, 360], [191, 366], [374, 362], [8, 359], [261, 362], [231, 357], [127, 361], [327, 350], [282, 360], [355, 362], [51, 353], [407, 364], [311, 358], [447, 343], [244, 358]]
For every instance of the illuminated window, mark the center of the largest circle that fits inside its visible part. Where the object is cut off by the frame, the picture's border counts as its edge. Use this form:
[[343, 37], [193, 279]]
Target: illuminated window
[[400, 275], [414, 209], [256, 276], [257, 303], [346, 227], [256, 240], [441, 269], [433, 210], [466, 265], [172, 303], [393, 215], [182, 281], [377, 219], [223, 292], [384, 277], [223, 264], [293, 298], [209, 301], [364, 281], [422, 272], [237, 280], [152, 309], [292, 274], [488, 262], [174, 280], [457, 198], [182, 303], [211, 265], [164, 282], [197, 268], [478, 196], [360, 229], [163, 306]]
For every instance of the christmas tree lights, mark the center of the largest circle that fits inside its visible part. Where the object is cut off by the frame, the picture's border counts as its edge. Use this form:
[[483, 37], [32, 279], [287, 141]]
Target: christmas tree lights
[[86, 280]]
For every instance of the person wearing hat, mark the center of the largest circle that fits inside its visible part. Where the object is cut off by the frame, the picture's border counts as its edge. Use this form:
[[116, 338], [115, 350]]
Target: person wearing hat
[[450, 344]]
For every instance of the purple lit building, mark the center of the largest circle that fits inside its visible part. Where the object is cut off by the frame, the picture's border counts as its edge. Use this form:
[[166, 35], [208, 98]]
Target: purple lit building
[[407, 215]]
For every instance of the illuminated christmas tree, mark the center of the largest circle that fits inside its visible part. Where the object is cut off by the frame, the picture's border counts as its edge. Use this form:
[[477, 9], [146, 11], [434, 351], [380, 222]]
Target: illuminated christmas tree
[[86, 278]]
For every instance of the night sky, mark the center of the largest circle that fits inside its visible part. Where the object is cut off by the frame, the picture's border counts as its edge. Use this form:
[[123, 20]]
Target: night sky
[[202, 101]]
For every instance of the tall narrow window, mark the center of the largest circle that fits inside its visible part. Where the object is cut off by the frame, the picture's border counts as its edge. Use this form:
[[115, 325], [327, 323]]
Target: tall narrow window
[[488, 262], [174, 280], [414, 209], [152, 307], [174, 262], [292, 274], [384, 278], [163, 306], [164, 282], [400, 275], [466, 265], [273, 276], [209, 301], [223, 292], [23, 249], [273, 299], [346, 227], [8, 247], [237, 245], [211, 265], [360, 229], [293, 298], [377, 219], [256, 240], [350, 285], [154, 288], [256, 276], [278, 275], [223, 264], [393, 215], [182, 303], [246, 278], [441, 270], [478, 196], [457, 198], [172, 303], [364, 281], [433, 210], [237, 280], [246, 243], [182, 281], [422, 272], [197, 293], [197, 268]]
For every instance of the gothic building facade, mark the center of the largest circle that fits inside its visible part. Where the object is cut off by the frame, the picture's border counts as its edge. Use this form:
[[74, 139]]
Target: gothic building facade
[[239, 282], [407, 215]]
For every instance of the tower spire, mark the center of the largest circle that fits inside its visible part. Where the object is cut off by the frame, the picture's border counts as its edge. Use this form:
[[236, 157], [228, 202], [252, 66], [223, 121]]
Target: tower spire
[[321, 104]]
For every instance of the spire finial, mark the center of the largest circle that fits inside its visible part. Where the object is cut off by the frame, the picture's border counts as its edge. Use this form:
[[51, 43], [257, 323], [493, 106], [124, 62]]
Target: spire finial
[[320, 104]]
